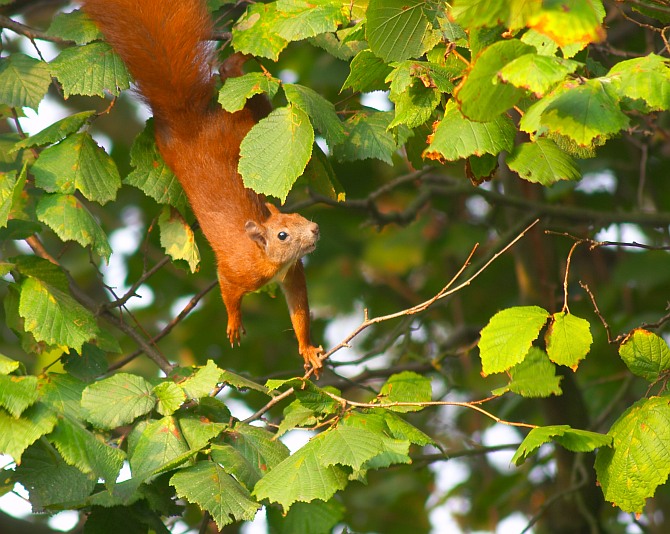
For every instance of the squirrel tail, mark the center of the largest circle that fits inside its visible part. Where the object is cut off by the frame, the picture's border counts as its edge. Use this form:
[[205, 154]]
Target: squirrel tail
[[164, 44]]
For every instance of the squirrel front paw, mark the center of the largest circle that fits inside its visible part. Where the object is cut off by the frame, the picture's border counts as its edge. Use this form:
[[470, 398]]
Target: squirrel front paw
[[312, 360]]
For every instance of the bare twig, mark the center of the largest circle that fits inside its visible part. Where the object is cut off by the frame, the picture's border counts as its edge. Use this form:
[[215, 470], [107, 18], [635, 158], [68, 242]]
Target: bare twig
[[168, 328], [30, 33], [585, 287]]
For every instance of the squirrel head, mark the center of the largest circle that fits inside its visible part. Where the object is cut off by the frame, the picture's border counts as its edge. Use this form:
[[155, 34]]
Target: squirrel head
[[284, 237]]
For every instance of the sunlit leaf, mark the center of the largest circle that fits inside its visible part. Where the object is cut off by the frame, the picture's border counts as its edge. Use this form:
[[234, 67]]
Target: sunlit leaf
[[23, 81], [570, 438], [638, 462], [117, 400], [301, 477], [178, 239], [276, 150], [483, 96], [506, 339], [543, 162], [646, 354], [90, 70], [78, 163], [457, 137]]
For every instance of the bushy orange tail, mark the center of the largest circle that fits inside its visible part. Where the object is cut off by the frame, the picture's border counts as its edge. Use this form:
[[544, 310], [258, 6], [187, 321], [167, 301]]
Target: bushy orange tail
[[164, 44]]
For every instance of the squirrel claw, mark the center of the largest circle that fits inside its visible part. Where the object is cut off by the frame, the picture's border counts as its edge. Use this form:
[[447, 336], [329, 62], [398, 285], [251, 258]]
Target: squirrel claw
[[312, 360], [234, 334]]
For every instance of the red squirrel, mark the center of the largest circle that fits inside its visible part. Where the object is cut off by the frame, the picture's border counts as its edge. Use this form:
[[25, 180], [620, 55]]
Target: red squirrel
[[164, 44]]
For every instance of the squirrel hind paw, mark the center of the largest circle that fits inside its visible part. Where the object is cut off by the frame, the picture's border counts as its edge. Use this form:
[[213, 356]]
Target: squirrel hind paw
[[234, 333], [311, 355]]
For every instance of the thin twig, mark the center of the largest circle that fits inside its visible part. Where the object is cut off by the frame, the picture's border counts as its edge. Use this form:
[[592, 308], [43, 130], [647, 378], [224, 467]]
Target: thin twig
[[585, 287], [168, 328], [473, 405]]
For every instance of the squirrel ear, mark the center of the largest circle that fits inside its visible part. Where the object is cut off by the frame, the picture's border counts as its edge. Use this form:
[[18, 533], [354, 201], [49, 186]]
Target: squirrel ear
[[271, 208], [256, 233]]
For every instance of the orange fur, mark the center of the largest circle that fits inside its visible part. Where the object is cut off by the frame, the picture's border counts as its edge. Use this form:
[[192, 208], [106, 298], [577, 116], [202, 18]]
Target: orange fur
[[164, 44]]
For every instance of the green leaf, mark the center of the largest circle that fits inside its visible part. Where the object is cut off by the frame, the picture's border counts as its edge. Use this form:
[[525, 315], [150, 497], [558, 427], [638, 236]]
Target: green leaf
[[51, 482], [7, 365], [321, 176], [478, 13], [353, 446], [535, 376], [90, 70], [275, 151], [161, 446], [296, 415], [645, 78], [16, 435], [316, 517], [414, 106], [308, 18], [62, 393], [241, 383], [8, 185], [482, 96], [117, 400], [23, 81], [406, 387], [210, 487], [151, 174], [506, 339], [198, 430], [395, 451], [367, 73], [570, 21], [169, 397], [177, 238], [572, 439], [249, 453], [537, 73], [398, 29], [255, 31], [71, 221], [587, 114], [340, 49], [316, 399], [78, 163], [320, 110], [568, 339], [645, 354], [402, 430], [56, 131], [368, 137], [74, 26], [301, 477], [203, 381], [639, 462], [237, 90], [456, 137], [543, 162], [85, 451], [17, 393], [90, 364], [54, 317]]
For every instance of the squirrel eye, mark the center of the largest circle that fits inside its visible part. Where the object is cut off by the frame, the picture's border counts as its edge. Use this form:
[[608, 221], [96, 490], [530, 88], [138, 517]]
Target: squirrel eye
[[282, 236]]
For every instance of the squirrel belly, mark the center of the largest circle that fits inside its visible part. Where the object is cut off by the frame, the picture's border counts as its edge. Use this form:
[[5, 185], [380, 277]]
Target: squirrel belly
[[164, 43]]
